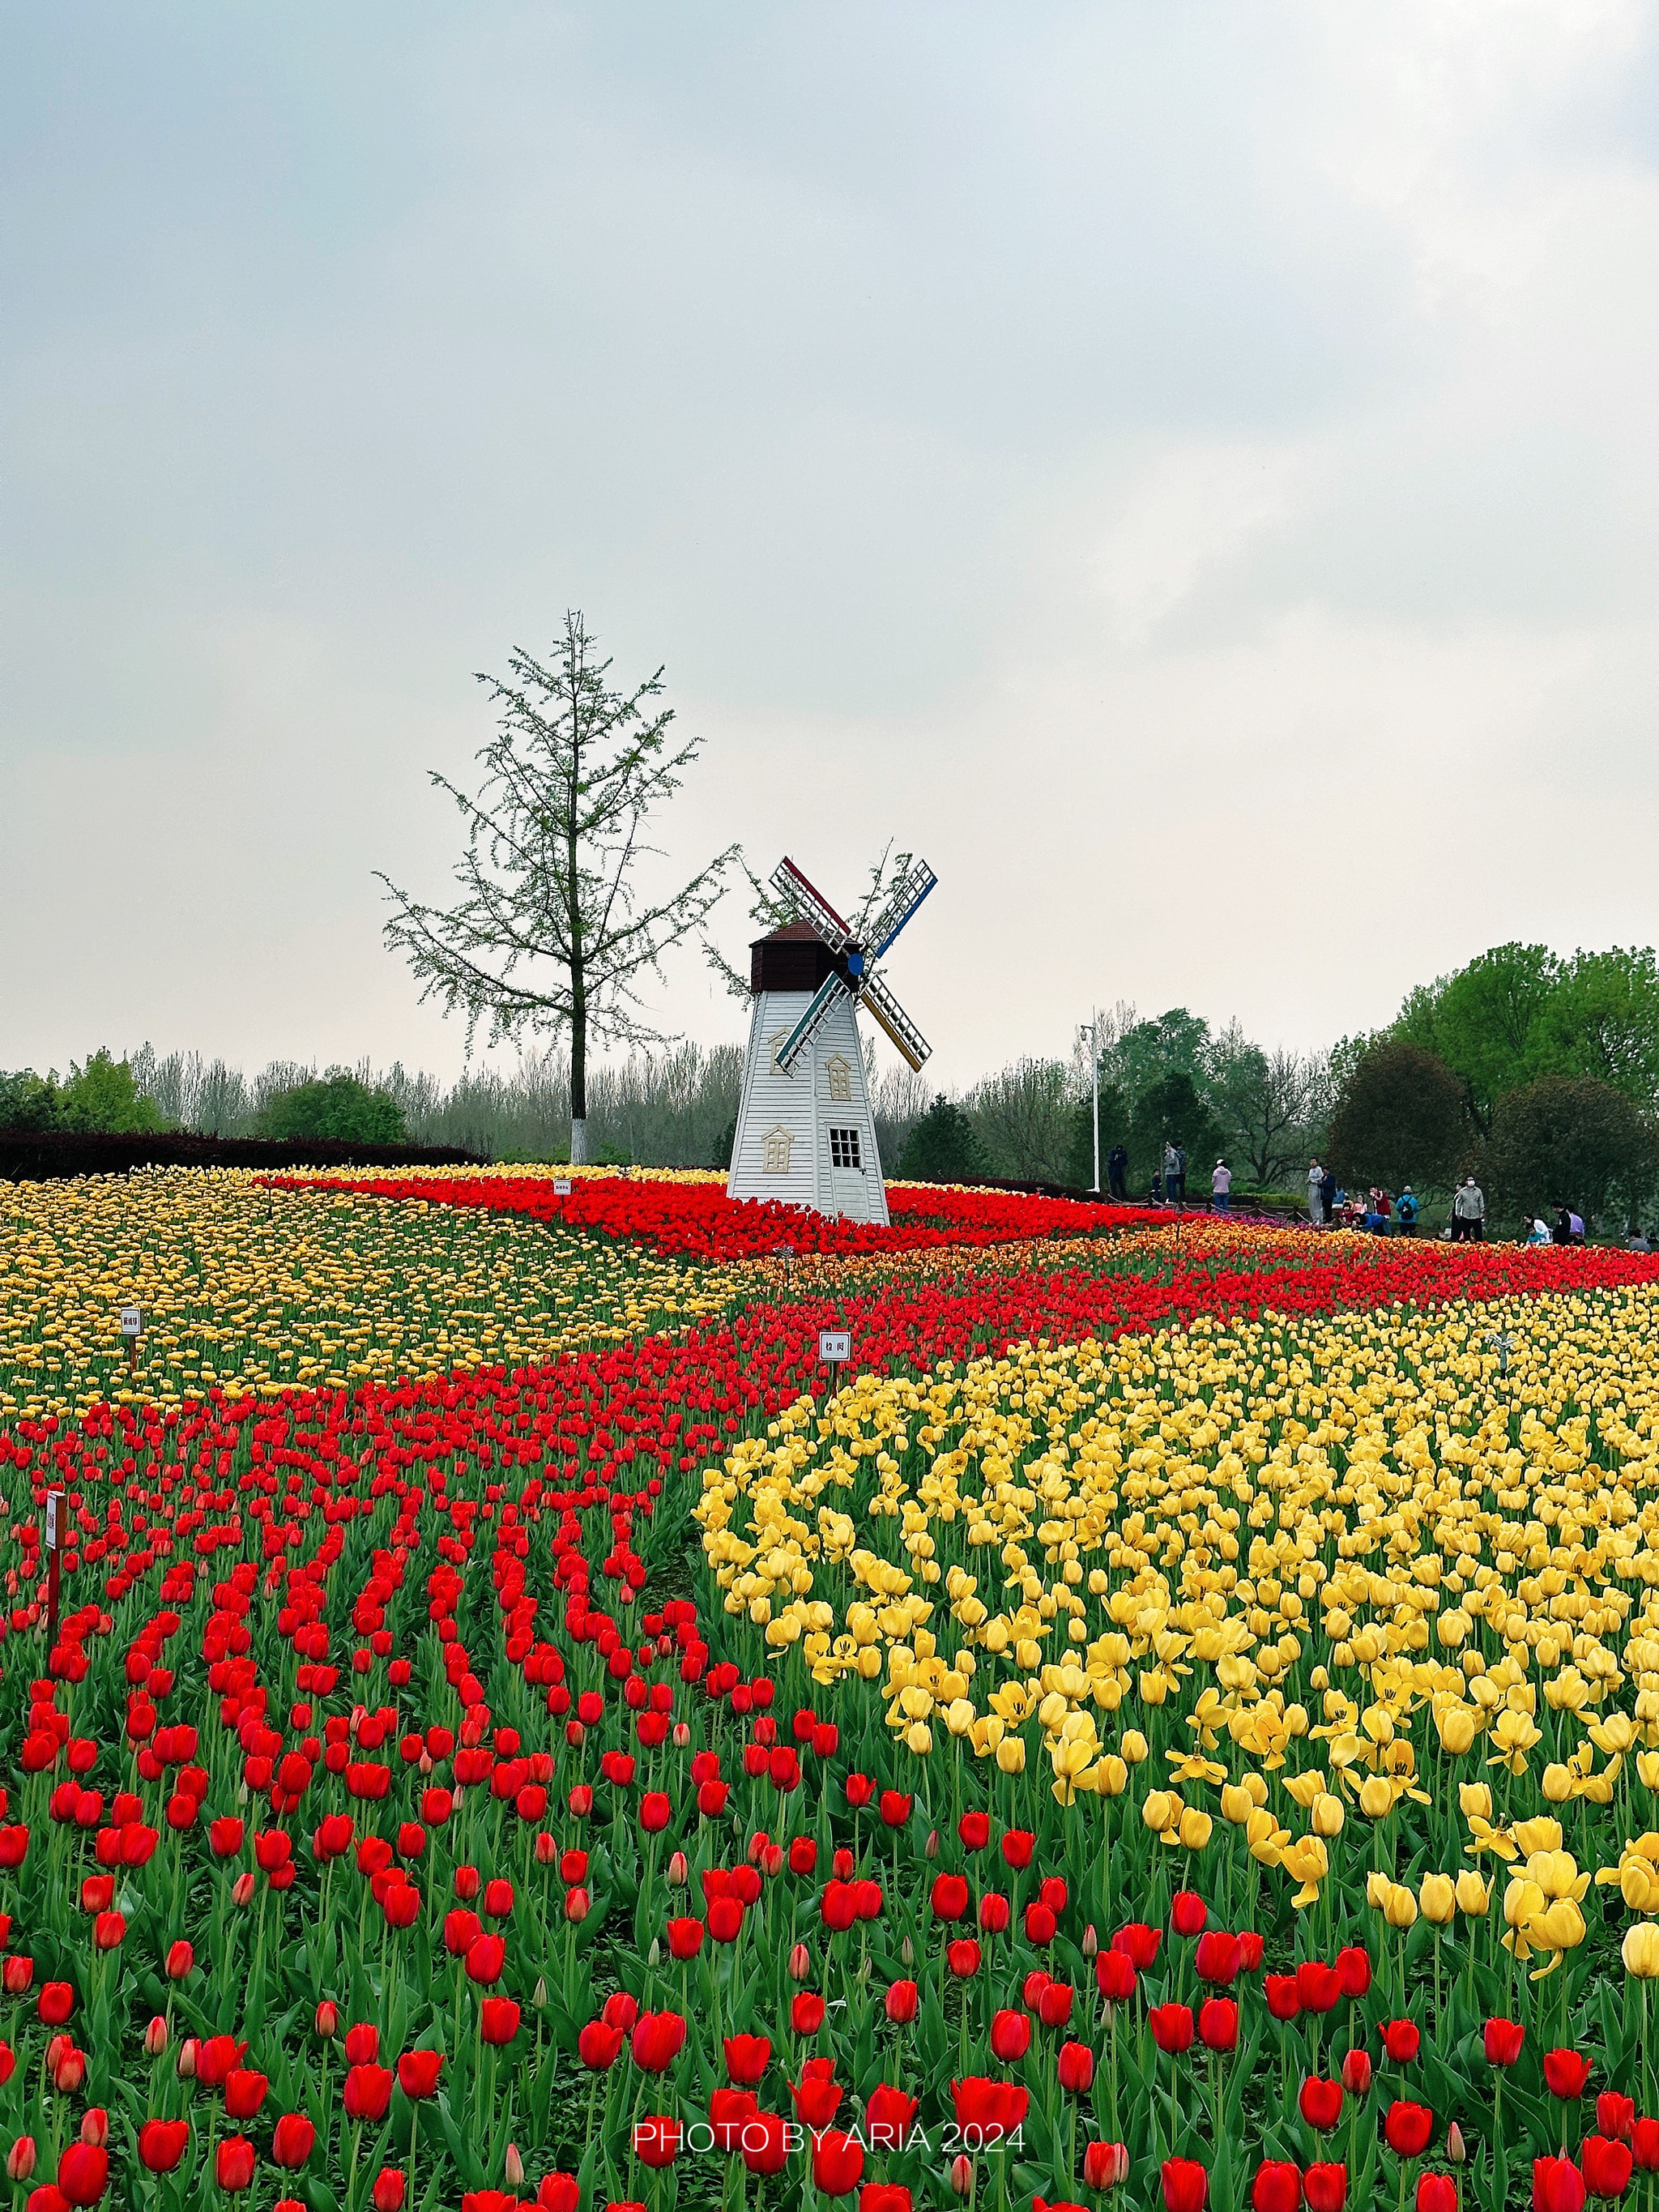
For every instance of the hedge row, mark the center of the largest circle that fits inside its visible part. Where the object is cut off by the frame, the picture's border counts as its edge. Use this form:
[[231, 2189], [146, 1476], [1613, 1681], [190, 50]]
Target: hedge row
[[34, 1156]]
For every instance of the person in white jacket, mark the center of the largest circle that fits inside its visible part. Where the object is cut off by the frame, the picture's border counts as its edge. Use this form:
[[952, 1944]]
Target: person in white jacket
[[1315, 1198]]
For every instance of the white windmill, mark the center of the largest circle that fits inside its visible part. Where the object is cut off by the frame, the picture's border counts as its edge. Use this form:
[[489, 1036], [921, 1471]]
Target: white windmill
[[805, 1134]]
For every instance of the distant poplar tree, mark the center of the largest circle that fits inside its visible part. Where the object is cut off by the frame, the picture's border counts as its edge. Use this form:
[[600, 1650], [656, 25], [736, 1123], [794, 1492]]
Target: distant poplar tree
[[549, 933]]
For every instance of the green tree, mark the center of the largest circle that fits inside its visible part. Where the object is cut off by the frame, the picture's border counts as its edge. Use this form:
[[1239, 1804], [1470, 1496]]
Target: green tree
[[550, 931], [1114, 1130], [28, 1101], [1601, 1020], [1569, 1141], [338, 1105], [942, 1147], [1486, 1021], [103, 1096], [1176, 1042], [1402, 1116], [1173, 1111]]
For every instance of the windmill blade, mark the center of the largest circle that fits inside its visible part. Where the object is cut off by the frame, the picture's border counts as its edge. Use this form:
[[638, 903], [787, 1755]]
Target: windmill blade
[[828, 994], [878, 1000], [789, 883], [908, 896]]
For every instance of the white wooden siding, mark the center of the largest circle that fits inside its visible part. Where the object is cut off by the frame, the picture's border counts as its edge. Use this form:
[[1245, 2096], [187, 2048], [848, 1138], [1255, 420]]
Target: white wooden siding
[[799, 1101]]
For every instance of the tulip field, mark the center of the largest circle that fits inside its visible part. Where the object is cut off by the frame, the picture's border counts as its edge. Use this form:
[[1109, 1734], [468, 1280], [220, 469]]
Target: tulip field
[[484, 1724]]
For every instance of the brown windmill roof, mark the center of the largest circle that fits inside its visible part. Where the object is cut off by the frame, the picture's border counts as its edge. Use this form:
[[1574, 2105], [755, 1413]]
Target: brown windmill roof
[[792, 932]]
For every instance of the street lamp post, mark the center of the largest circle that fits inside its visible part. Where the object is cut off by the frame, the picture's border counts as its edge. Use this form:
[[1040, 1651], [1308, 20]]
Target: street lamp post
[[1091, 1029]]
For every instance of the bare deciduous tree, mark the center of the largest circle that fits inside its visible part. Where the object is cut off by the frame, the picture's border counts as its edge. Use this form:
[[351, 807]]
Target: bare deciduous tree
[[549, 933]]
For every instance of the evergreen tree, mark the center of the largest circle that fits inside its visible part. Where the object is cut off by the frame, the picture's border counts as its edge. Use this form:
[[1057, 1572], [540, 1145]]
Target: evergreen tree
[[942, 1147]]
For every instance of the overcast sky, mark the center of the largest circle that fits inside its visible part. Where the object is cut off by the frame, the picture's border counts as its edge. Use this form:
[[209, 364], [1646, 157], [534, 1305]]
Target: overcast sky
[[1188, 471]]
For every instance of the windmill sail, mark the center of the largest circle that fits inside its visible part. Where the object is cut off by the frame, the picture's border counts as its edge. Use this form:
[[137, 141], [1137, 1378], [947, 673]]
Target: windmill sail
[[791, 885], [828, 992], [908, 896], [879, 1001]]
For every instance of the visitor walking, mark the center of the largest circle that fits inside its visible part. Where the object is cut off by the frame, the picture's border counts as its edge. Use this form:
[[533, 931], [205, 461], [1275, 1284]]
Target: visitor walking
[[1407, 1211], [1317, 1212], [1174, 1173], [1328, 1195], [1117, 1173], [1468, 1212], [1221, 1187]]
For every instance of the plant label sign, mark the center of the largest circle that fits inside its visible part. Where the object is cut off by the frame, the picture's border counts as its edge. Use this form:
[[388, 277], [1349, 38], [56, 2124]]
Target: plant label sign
[[132, 1320], [52, 1498], [561, 1186], [835, 1345]]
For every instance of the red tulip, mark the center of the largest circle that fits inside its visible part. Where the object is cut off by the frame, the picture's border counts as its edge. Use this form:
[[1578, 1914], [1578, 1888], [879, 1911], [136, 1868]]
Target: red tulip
[[1277, 2187], [1503, 2039], [746, 2058], [1284, 2002], [1644, 2145], [1557, 2185], [900, 2003], [244, 2091], [889, 2115], [1565, 2072], [600, 2045], [1402, 2040], [1018, 1845], [992, 2110], [1076, 2067], [817, 2095], [1408, 2128], [367, 2091], [234, 2164], [1185, 2185], [1607, 2164], [291, 2140], [1321, 2103], [1615, 2116], [387, 2193], [1357, 2073], [1436, 2192], [1140, 1943], [363, 2043], [1172, 2026], [1218, 1957], [1010, 2036], [1326, 2188], [84, 2172], [498, 2020], [975, 1830], [1318, 1987], [727, 2110], [1053, 2003], [1115, 1971], [1218, 2024], [894, 1808], [949, 1897], [1187, 1914], [162, 2143], [684, 1938], [419, 2072], [1354, 1971], [765, 2143], [657, 2039], [963, 1957], [656, 2140], [1105, 2164], [837, 2162], [806, 2012]]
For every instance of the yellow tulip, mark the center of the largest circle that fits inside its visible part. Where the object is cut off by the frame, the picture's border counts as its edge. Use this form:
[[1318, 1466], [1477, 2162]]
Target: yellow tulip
[[1438, 1898], [1640, 1951], [1473, 1896]]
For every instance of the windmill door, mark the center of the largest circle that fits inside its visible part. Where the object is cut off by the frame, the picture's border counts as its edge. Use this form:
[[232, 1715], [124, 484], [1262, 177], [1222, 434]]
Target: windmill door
[[849, 1172]]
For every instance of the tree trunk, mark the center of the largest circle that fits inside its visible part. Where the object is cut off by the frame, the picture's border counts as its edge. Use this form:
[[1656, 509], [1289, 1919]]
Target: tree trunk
[[578, 1072]]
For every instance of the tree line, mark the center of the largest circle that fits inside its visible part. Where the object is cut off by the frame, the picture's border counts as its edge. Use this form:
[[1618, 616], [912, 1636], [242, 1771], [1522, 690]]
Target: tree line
[[1537, 1073]]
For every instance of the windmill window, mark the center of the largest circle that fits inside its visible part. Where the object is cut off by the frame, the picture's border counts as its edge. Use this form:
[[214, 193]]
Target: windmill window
[[844, 1149], [776, 1147], [775, 1043], [840, 1075]]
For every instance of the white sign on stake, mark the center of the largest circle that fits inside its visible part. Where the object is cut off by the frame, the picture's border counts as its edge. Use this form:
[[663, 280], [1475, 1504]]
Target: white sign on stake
[[561, 1186], [53, 1497], [132, 1320], [835, 1345]]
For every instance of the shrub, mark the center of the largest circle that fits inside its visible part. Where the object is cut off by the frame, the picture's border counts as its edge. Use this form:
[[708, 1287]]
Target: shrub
[[335, 1105]]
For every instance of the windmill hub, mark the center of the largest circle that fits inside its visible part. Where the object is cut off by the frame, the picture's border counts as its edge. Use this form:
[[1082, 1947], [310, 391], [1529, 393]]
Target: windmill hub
[[805, 1134]]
